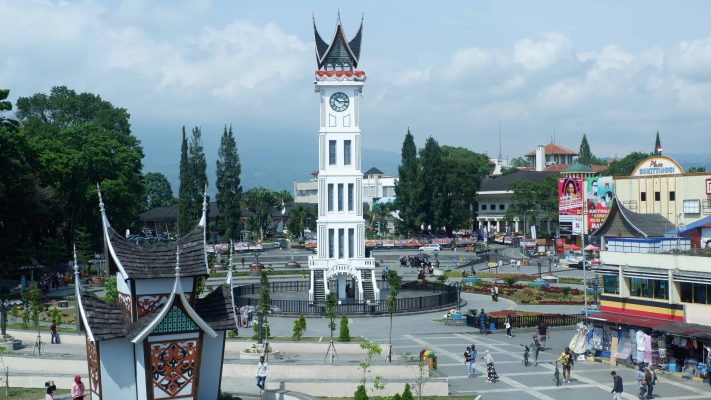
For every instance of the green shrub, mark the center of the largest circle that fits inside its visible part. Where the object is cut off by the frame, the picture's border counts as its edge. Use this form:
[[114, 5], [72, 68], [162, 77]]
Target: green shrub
[[397, 397], [345, 335], [565, 290], [360, 393], [232, 333], [299, 327], [407, 394], [510, 280]]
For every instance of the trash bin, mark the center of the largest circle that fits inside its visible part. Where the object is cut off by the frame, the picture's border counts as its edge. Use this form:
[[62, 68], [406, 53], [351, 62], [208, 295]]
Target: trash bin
[[492, 326]]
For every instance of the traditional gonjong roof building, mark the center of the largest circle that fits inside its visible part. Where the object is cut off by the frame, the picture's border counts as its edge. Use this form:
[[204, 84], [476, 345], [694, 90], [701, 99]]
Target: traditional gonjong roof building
[[160, 341]]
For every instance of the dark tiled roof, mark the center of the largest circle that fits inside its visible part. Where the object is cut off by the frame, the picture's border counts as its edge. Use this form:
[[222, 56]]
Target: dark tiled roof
[[645, 225], [373, 171], [106, 320], [137, 327], [216, 309], [158, 261], [170, 213], [502, 182]]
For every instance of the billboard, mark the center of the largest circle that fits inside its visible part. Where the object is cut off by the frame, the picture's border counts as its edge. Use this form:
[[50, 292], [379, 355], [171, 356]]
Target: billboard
[[570, 205], [599, 194]]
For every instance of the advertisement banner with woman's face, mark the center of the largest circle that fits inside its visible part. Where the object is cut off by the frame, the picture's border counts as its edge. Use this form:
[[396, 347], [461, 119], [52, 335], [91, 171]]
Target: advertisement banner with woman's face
[[570, 205]]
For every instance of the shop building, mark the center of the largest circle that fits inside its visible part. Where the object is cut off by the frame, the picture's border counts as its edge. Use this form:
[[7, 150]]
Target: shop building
[[656, 301], [658, 185]]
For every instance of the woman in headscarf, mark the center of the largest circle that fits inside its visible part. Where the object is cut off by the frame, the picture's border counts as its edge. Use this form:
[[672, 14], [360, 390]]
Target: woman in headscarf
[[78, 389], [491, 375]]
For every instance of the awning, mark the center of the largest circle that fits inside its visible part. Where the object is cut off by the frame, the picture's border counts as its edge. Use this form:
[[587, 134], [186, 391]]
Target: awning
[[686, 330], [629, 320]]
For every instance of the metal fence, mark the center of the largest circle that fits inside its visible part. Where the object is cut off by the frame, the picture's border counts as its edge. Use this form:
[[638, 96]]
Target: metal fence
[[528, 321], [440, 296]]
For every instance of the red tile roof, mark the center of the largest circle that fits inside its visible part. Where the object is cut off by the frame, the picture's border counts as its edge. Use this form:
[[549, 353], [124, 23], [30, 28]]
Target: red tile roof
[[552, 148], [556, 167]]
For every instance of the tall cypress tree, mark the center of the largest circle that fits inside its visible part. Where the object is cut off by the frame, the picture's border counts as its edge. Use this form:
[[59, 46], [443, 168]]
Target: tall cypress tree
[[406, 185], [585, 156], [229, 189], [184, 192], [430, 185], [198, 175]]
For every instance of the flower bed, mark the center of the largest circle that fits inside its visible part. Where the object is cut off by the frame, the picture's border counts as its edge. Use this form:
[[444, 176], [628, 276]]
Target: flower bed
[[513, 313], [527, 295]]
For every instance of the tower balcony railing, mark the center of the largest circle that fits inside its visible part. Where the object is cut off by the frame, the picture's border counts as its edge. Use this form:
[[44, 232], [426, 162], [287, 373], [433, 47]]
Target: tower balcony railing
[[326, 263]]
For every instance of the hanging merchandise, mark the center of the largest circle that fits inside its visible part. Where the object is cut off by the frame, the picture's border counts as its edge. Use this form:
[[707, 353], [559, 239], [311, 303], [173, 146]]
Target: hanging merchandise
[[578, 342], [623, 344], [640, 346], [633, 345], [647, 348], [597, 339]]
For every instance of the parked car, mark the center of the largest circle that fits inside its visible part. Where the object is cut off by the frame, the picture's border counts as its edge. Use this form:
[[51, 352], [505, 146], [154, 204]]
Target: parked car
[[280, 243], [430, 248]]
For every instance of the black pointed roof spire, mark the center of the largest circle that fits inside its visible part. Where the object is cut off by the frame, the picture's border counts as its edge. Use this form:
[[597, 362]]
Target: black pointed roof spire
[[657, 146], [340, 54]]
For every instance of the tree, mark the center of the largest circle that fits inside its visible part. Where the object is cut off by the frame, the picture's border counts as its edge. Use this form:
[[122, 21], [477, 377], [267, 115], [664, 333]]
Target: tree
[[228, 183], [406, 186], [395, 282], [430, 183], [299, 219], [344, 334], [625, 166], [111, 290], [463, 171], [585, 156], [696, 169], [260, 200], [299, 327], [261, 330], [198, 174], [531, 200], [158, 190], [184, 194], [81, 140], [520, 162]]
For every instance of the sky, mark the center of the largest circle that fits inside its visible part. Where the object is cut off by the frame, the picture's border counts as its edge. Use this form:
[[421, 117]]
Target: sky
[[459, 71]]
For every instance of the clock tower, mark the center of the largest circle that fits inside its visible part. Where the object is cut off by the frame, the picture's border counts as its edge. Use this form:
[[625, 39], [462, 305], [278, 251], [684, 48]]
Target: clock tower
[[340, 265]]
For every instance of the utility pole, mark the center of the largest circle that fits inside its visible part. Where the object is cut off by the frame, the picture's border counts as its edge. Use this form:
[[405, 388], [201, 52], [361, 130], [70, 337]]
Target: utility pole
[[582, 251]]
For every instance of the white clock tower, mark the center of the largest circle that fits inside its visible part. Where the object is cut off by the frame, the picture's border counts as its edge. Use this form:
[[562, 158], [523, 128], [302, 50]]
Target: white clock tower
[[340, 265]]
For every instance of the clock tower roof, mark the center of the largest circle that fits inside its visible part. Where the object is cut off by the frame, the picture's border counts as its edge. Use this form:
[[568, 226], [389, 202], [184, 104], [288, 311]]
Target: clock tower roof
[[340, 54]]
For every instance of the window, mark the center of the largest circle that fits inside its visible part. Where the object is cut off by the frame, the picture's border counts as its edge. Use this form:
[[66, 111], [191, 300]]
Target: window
[[350, 196], [351, 242], [341, 242], [492, 207], [672, 196], [649, 288], [483, 207], [331, 152], [657, 196], [502, 206], [330, 197], [692, 206], [347, 152], [611, 284], [643, 196], [331, 239], [340, 197], [695, 293]]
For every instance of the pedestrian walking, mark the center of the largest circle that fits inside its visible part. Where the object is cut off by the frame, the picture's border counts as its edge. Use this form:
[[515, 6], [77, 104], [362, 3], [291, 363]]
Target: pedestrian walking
[[53, 333], [536, 347], [262, 370], [49, 388], [542, 334], [566, 358], [651, 379], [482, 321], [616, 386], [507, 324], [642, 383], [491, 375], [467, 361], [78, 389], [472, 361]]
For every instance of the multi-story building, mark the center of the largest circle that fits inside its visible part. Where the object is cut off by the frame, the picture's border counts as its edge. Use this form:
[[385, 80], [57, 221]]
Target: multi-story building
[[376, 186], [550, 154]]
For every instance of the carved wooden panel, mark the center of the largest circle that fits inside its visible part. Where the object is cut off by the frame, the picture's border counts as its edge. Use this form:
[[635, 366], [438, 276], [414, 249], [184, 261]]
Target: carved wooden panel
[[125, 300], [148, 302], [173, 368], [92, 356]]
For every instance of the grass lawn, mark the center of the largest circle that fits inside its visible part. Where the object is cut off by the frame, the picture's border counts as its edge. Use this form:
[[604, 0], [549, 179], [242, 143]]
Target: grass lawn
[[28, 393]]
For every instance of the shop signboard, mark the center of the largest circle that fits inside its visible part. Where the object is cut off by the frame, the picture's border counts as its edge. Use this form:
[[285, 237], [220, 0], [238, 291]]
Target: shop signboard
[[599, 194], [657, 165], [570, 205]]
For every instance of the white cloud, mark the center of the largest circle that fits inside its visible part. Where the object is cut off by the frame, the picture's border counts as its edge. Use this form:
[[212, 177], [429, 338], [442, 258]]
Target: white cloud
[[540, 54], [691, 59]]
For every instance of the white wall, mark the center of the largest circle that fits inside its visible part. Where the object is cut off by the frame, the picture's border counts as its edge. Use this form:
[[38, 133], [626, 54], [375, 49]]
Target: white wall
[[210, 366], [165, 285], [118, 378], [140, 371], [121, 285], [698, 313]]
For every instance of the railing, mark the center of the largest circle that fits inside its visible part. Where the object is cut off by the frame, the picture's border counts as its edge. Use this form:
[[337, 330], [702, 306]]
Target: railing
[[442, 296], [528, 321]]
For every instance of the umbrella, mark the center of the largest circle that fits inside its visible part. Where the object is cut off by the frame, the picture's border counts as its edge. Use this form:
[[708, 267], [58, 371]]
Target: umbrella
[[574, 247], [591, 248]]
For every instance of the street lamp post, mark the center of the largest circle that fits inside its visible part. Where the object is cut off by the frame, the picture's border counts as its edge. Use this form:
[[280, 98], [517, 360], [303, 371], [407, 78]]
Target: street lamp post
[[582, 252]]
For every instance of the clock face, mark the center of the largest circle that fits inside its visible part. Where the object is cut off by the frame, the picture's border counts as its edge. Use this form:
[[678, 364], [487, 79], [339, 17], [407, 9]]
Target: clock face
[[339, 101]]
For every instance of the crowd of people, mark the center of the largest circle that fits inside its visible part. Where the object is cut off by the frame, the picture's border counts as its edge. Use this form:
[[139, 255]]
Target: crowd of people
[[53, 281], [419, 262]]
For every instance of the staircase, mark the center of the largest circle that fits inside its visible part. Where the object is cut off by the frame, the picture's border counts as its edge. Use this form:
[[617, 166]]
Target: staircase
[[368, 293], [319, 292]]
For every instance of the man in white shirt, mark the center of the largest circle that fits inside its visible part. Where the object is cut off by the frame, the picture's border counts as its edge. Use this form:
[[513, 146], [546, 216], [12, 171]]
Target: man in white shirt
[[262, 369]]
